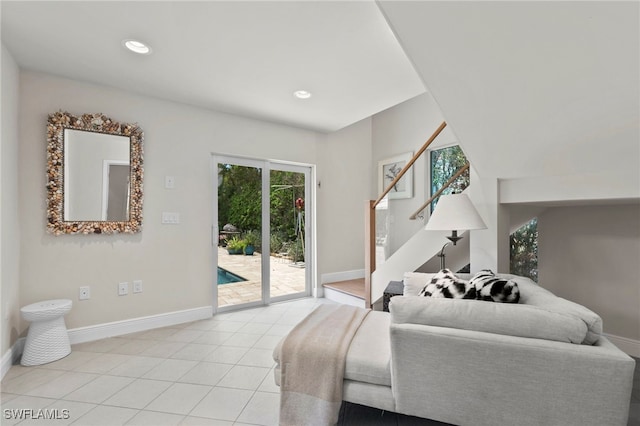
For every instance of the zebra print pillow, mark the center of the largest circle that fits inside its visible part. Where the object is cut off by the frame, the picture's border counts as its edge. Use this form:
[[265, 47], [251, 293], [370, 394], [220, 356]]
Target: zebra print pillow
[[484, 285], [494, 289], [446, 284]]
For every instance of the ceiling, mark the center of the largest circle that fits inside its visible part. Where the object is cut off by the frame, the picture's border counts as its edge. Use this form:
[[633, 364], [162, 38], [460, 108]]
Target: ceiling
[[534, 88], [245, 58]]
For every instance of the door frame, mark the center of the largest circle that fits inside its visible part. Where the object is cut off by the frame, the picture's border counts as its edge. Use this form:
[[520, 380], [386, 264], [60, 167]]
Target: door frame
[[106, 182], [310, 226]]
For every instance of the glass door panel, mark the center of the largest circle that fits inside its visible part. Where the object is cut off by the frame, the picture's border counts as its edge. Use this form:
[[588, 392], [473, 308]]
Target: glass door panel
[[288, 239], [239, 213]]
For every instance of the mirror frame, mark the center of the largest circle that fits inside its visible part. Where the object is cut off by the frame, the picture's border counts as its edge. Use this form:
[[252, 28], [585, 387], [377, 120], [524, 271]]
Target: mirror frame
[[99, 123]]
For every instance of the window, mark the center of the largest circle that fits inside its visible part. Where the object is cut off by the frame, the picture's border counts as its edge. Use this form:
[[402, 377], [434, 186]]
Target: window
[[444, 163], [524, 250]]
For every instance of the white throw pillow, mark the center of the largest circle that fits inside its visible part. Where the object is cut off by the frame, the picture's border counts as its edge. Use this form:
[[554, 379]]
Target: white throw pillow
[[414, 282]]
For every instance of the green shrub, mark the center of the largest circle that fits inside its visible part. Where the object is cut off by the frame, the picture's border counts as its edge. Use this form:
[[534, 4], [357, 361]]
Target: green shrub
[[251, 238], [235, 243]]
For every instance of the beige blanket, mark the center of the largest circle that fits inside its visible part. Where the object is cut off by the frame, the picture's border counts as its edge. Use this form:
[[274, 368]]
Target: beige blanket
[[312, 362]]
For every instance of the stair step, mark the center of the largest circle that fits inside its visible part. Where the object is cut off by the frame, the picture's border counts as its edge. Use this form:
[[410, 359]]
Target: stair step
[[353, 288]]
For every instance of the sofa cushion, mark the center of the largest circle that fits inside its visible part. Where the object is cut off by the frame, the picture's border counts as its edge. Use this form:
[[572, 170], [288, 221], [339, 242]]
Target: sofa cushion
[[369, 356], [533, 295], [498, 318]]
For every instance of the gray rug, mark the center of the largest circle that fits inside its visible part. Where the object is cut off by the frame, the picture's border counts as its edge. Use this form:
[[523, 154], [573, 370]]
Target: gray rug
[[360, 415]]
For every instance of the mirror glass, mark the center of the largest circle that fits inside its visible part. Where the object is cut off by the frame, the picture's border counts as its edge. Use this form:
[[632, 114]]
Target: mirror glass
[[94, 171], [96, 176]]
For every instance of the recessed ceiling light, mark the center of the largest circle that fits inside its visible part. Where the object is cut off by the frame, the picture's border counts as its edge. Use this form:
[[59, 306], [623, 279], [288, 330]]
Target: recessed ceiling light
[[137, 46], [302, 94]]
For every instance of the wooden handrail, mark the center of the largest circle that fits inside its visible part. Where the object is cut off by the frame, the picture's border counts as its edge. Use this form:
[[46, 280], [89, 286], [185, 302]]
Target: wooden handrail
[[437, 194], [410, 163], [369, 250]]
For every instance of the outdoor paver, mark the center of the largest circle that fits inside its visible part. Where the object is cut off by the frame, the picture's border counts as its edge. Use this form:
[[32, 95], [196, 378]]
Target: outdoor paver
[[286, 278]]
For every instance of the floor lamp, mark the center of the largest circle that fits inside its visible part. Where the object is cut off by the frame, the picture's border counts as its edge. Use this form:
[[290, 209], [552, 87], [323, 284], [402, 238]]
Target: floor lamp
[[454, 212]]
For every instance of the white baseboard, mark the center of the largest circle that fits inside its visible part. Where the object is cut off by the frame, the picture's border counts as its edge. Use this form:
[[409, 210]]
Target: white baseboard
[[335, 277], [11, 356], [629, 346], [134, 325]]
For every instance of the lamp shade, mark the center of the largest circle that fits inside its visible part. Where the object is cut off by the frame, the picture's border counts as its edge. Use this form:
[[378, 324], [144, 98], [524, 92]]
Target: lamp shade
[[455, 212]]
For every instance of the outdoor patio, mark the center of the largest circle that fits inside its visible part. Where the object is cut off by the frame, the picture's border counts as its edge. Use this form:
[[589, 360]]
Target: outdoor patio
[[286, 278]]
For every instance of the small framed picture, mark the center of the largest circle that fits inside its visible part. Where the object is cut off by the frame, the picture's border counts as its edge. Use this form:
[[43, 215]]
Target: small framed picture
[[388, 170]]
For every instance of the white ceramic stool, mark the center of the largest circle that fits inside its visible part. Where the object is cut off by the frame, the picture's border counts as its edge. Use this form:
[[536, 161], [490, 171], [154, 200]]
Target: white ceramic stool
[[47, 339]]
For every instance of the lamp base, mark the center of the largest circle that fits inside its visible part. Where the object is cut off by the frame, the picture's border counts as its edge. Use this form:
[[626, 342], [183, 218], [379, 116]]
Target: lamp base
[[454, 237], [442, 256]]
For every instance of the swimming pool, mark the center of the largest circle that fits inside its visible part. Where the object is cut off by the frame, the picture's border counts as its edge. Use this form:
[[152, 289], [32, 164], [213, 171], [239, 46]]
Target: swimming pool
[[226, 277]]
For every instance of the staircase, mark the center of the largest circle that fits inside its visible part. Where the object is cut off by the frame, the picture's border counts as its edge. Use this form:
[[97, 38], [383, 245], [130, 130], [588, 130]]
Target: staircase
[[419, 251], [349, 292]]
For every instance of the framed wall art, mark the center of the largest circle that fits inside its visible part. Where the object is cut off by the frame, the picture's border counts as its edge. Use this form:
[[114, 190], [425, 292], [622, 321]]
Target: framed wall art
[[389, 169]]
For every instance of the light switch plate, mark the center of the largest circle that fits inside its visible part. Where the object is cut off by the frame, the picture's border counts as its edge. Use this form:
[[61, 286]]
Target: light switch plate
[[123, 289]]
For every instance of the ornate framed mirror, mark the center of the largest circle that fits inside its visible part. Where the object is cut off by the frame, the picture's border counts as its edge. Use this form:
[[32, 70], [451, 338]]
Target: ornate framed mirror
[[94, 175]]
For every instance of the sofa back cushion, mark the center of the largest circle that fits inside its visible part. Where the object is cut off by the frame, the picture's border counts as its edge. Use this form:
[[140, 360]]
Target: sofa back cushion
[[532, 294], [539, 313], [498, 318]]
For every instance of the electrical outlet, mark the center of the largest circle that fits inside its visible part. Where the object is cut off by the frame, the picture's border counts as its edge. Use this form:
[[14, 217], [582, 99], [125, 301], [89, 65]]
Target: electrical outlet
[[123, 289], [170, 218], [84, 293], [169, 182], [137, 286]]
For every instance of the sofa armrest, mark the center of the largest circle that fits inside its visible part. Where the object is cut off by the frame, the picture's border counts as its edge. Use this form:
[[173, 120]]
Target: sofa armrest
[[474, 378]]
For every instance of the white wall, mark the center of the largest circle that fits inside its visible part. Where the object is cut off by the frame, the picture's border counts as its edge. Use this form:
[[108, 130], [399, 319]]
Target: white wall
[[344, 174], [591, 255], [9, 217], [489, 248], [173, 261]]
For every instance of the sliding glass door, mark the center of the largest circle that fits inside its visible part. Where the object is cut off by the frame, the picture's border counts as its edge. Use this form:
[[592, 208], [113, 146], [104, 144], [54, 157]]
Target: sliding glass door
[[239, 215], [288, 235], [262, 249]]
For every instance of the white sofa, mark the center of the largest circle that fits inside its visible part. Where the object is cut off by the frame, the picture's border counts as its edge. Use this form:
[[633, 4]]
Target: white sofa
[[542, 361]]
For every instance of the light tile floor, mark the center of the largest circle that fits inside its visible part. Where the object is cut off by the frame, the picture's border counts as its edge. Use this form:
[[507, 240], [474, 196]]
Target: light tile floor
[[210, 372]]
